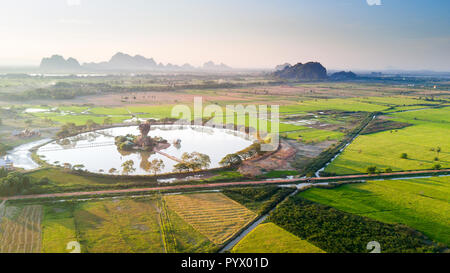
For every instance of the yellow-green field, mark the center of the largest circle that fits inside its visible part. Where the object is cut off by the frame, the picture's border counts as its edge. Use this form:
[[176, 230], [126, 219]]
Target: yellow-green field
[[212, 214], [420, 142], [128, 226], [315, 135], [270, 238], [58, 228], [332, 104], [423, 204]]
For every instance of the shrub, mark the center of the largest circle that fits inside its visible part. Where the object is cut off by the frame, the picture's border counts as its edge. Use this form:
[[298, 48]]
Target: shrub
[[372, 170]]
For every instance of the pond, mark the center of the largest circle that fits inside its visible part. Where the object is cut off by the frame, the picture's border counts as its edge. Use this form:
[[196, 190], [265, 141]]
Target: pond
[[97, 153]]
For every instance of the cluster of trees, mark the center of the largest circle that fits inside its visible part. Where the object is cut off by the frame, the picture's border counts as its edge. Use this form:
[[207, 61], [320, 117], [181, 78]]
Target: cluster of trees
[[70, 128], [231, 160], [340, 232], [252, 150], [375, 170], [155, 166], [128, 167], [259, 199], [15, 183], [4, 148], [70, 90], [125, 143], [235, 160], [61, 90], [193, 162]]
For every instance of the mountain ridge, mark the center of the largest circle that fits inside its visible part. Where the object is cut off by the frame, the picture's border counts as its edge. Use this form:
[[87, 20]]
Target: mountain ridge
[[309, 71], [122, 62]]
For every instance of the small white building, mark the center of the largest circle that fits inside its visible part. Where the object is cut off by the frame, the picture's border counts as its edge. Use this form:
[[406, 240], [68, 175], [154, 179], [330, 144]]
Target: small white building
[[6, 163]]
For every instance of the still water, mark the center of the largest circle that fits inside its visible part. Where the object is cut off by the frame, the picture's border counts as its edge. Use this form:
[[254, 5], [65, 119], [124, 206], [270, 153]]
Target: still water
[[21, 155], [97, 152]]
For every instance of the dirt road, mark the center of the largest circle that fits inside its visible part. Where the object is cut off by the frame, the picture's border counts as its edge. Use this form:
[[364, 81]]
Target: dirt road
[[232, 184]]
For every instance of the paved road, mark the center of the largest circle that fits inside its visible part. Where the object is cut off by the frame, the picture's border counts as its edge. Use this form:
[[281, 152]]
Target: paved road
[[228, 184]]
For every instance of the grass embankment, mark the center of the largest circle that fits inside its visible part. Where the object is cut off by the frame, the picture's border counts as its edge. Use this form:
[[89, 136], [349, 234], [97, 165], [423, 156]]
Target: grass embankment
[[64, 181], [270, 238], [423, 204]]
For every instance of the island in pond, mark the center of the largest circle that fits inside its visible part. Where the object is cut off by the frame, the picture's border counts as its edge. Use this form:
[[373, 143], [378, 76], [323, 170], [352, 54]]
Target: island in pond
[[142, 142]]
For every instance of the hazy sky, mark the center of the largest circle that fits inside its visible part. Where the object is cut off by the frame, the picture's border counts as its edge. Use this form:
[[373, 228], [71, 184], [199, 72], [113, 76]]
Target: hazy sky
[[347, 34]]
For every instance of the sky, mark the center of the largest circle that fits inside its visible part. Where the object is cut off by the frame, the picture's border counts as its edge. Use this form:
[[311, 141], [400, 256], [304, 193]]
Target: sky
[[341, 34]]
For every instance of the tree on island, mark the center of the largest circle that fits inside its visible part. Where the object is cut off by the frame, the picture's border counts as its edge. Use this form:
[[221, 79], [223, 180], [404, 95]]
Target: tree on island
[[128, 167], [143, 142]]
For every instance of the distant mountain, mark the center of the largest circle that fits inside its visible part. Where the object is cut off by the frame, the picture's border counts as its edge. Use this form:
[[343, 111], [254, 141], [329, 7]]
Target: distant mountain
[[343, 76], [58, 63], [282, 66], [212, 66], [122, 62], [309, 72]]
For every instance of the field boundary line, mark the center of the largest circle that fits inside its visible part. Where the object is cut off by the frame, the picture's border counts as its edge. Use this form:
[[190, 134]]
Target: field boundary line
[[386, 176]]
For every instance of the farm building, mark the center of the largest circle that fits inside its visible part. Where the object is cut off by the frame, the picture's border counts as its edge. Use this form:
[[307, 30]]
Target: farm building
[[26, 133]]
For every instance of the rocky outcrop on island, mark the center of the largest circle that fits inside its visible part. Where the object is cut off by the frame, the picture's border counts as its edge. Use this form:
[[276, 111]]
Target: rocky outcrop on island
[[142, 142], [58, 63], [343, 76], [311, 71]]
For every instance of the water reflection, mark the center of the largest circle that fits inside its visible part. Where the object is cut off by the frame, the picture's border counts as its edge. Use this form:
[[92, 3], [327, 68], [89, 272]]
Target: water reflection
[[97, 153]]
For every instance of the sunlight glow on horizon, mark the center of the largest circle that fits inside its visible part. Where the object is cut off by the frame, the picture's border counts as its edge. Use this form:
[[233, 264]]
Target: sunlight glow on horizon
[[347, 34]]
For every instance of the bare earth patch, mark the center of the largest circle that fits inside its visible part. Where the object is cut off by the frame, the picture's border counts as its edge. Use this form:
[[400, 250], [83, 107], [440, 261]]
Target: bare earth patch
[[277, 161]]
